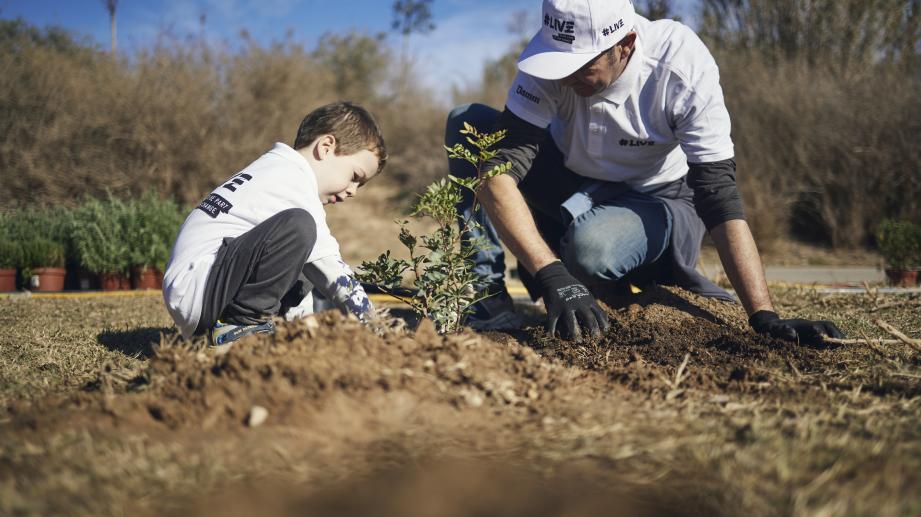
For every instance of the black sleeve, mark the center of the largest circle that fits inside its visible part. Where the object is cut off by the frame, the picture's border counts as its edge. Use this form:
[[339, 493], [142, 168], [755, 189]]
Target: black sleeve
[[716, 196], [520, 145]]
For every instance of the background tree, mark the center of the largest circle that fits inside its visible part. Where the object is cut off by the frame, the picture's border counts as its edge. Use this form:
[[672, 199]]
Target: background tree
[[836, 33], [111, 6], [409, 17], [656, 9]]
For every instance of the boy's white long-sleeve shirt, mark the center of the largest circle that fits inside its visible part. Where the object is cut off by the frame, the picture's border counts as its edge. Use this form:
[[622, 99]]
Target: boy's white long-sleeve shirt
[[280, 179]]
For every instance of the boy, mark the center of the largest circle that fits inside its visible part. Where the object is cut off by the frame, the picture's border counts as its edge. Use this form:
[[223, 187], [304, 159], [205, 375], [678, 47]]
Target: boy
[[257, 245]]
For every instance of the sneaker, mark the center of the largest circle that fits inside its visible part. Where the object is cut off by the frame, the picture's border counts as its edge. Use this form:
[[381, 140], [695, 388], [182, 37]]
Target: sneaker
[[223, 334], [496, 312]]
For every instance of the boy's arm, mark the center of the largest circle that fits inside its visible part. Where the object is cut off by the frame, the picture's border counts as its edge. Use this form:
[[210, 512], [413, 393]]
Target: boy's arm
[[335, 279]]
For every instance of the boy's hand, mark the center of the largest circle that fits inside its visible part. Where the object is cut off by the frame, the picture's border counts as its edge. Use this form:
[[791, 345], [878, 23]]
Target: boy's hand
[[804, 331], [566, 298]]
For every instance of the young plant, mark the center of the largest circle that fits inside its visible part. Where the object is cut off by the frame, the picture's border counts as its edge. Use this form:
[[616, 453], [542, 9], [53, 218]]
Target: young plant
[[900, 244], [441, 263]]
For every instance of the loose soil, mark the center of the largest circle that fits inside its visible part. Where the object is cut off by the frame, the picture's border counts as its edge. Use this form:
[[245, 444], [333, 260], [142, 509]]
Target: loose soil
[[677, 409]]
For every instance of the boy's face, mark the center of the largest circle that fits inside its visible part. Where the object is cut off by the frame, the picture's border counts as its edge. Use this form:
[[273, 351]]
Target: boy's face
[[341, 175]]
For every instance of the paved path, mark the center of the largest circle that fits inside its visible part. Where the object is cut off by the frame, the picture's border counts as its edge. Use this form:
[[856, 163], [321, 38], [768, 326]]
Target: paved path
[[825, 275]]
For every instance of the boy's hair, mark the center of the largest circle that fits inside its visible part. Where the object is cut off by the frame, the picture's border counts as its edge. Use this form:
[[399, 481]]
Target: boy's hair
[[352, 126]]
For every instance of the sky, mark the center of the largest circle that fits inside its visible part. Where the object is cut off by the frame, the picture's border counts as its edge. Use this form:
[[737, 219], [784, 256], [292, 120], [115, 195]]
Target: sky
[[467, 33]]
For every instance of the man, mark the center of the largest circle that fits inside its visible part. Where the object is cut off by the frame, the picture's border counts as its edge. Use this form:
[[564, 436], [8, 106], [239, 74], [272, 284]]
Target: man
[[637, 165]]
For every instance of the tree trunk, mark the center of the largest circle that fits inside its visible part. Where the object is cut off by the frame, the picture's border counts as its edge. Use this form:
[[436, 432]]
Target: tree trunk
[[112, 28]]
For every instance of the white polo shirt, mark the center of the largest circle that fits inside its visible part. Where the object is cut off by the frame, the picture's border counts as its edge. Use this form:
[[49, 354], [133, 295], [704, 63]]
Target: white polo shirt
[[664, 111], [280, 179]]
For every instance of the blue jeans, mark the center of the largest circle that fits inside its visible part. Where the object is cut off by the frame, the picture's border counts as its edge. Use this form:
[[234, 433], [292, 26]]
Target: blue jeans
[[599, 246]]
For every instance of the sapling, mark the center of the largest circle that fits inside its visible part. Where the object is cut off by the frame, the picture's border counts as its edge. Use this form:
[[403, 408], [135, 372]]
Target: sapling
[[440, 263]]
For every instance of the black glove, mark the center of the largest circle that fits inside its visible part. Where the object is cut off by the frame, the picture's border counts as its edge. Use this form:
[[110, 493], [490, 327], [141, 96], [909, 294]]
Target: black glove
[[805, 331], [566, 298]]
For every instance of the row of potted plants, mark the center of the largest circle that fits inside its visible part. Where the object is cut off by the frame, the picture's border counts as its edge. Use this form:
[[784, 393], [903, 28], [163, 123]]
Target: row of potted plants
[[98, 244], [900, 244]]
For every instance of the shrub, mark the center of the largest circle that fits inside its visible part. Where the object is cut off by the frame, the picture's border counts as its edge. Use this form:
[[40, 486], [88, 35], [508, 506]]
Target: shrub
[[9, 248], [182, 116], [40, 252], [24, 226], [900, 243], [100, 236], [151, 226], [10, 254]]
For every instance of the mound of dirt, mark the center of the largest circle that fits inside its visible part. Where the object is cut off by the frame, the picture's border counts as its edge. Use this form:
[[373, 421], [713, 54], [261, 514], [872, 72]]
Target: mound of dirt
[[310, 360]]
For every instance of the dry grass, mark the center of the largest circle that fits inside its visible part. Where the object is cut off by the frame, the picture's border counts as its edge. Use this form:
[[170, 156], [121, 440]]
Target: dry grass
[[428, 426]]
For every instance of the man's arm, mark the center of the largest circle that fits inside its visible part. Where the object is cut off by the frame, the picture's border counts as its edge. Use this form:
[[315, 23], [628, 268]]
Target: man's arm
[[514, 223], [565, 297], [719, 205], [717, 201], [742, 264]]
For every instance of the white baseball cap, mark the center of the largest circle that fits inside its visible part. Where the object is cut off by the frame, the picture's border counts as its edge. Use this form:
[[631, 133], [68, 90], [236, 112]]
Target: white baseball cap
[[572, 33]]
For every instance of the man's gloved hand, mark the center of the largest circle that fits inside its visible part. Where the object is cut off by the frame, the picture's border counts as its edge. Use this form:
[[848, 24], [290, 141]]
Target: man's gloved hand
[[566, 298], [805, 331]]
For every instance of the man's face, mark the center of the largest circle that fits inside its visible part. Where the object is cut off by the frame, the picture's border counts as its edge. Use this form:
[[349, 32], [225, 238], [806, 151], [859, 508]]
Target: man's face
[[601, 72], [343, 174]]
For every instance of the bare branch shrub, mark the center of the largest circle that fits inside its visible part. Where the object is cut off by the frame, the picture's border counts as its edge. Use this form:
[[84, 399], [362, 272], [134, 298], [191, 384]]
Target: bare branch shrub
[[823, 97], [181, 116]]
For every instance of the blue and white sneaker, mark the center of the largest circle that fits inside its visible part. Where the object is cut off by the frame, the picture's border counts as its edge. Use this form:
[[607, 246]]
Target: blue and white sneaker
[[223, 334], [496, 312]]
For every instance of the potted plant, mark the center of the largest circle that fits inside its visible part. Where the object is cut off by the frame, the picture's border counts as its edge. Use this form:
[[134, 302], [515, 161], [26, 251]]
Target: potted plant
[[10, 257], [10, 254], [42, 263], [98, 230], [900, 244], [152, 225]]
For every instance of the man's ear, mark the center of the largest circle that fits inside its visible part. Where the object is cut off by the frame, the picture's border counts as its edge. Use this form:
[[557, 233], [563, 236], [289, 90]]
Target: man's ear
[[324, 147], [628, 43]]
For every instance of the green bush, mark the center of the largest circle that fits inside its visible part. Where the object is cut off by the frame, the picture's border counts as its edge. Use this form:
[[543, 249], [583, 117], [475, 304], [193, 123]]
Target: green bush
[[151, 224], [100, 237], [10, 254], [900, 243], [41, 252], [20, 229], [9, 249]]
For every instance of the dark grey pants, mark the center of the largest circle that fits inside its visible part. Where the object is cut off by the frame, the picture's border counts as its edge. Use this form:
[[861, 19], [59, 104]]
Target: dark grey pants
[[258, 274]]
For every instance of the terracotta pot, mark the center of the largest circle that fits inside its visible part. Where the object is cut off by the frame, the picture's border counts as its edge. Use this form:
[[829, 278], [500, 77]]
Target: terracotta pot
[[902, 277], [7, 280], [45, 279], [146, 278], [114, 282]]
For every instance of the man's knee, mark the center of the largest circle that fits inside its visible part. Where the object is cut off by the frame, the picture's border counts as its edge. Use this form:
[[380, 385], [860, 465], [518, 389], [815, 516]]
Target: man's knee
[[456, 119], [480, 116], [477, 115], [594, 256]]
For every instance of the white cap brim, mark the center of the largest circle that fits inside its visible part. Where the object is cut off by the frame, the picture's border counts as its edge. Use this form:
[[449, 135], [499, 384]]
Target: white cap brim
[[544, 62]]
